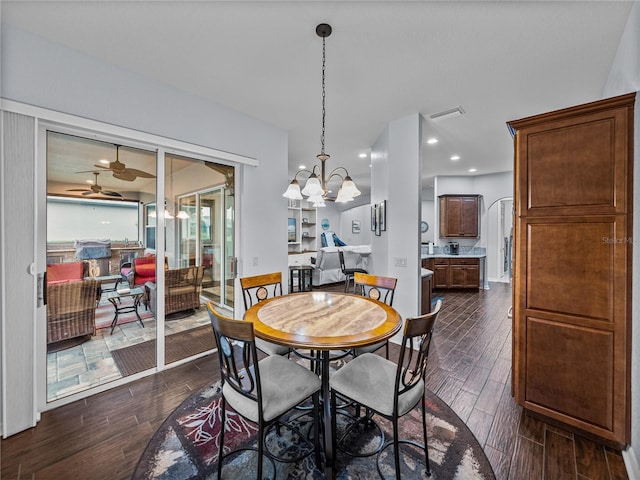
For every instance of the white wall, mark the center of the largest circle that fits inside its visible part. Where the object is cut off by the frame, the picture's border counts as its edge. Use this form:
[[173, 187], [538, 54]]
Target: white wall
[[37, 72], [52, 76], [428, 213], [361, 214]]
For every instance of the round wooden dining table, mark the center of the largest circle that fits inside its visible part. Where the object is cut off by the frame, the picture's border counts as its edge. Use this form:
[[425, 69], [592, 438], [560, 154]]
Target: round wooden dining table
[[324, 321]]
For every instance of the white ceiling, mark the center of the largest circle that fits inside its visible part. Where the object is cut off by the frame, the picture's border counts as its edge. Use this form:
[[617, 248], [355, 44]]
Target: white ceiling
[[385, 59]]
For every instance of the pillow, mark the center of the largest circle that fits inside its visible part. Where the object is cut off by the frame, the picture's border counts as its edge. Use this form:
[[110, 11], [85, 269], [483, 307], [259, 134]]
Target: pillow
[[328, 239], [64, 271], [146, 270]]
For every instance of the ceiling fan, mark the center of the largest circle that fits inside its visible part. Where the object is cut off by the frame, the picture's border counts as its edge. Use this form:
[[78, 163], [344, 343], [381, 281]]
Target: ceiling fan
[[95, 188], [121, 172], [228, 173]]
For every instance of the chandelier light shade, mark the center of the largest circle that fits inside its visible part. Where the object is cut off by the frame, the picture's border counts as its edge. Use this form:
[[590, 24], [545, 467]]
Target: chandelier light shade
[[315, 188]]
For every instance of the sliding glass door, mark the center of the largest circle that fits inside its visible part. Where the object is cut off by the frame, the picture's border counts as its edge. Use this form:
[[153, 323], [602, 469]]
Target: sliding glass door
[[100, 326], [106, 300], [197, 204]]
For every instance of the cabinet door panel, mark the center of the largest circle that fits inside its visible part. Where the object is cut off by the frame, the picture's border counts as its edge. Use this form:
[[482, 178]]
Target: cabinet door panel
[[472, 277], [457, 276], [562, 378], [469, 227], [575, 258], [575, 164], [441, 276]]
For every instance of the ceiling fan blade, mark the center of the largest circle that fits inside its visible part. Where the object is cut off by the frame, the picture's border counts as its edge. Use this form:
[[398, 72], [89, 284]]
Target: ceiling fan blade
[[109, 193], [99, 166], [87, 192], [77, 190], [223, 169], [126, 176], [138, 173]]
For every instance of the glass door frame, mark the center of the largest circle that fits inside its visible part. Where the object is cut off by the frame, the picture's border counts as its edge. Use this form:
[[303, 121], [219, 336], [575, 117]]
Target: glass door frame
[[220, 214]]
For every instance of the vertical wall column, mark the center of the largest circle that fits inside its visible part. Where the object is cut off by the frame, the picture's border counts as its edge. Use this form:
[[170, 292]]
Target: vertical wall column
[[396, 171]]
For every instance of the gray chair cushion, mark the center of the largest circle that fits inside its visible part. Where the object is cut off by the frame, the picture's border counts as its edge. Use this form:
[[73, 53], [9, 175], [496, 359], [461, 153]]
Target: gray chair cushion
[[369, 348], [271, 348], [369, 380], [284, 385]]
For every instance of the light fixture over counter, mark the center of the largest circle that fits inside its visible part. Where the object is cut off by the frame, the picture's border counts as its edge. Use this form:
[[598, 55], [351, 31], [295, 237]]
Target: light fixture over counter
[[315, 189]]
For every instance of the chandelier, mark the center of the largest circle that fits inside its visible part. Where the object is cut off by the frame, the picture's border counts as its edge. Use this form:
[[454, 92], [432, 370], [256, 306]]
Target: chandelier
[[315, 189]]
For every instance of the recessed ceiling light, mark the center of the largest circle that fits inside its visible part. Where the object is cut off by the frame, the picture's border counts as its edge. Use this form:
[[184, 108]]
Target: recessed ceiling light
[[455, 157], [363, 155], [471, 170], [89, 182], [302, 167], [432, 140], [104, 161]]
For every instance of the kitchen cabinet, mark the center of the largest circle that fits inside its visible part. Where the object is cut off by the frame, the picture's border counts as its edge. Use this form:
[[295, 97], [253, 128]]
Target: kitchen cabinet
[[572, 269], [464, 273], [426, 294], [459, 216], [454, 272]]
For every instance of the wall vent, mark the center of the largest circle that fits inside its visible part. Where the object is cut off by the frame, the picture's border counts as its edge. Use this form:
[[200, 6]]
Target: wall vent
[[448, 113]]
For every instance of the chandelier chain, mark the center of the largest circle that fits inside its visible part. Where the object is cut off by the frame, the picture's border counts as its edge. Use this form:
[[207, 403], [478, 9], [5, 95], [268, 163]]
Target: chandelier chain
[[323, 96]]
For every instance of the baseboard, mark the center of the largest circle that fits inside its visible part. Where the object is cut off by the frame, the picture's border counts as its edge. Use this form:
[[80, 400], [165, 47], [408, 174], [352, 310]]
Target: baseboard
[[631, 463]]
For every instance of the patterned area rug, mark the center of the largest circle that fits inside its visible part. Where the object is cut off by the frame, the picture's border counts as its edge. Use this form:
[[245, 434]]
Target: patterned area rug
[[186, 446]]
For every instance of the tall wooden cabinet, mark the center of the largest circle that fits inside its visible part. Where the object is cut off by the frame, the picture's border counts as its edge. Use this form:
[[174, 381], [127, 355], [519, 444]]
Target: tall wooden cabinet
[[572, 271]]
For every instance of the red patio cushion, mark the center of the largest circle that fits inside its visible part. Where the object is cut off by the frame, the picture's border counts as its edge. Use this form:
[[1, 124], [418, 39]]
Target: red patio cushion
[[60, 272], [146, 270]]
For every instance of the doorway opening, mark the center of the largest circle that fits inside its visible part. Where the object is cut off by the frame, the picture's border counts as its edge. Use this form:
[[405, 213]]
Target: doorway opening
[[500, 243]]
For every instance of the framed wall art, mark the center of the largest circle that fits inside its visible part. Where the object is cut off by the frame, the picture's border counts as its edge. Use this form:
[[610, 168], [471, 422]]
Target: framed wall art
[[373, 217], [382, 207]]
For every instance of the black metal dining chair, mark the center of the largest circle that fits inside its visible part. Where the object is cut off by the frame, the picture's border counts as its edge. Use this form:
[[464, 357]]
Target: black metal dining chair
[[261, 391], [256, 289], [381, 289], [348, 272], [389, 389]]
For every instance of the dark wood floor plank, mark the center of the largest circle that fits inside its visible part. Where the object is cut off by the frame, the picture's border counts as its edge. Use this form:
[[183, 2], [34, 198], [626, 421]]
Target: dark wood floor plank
[[476, 380], [448, 391], [531, 428], [559, 457], [505, 424], [617, 470], [527, 460], [500, 462], [479, 423], [591, 459], [489, 397], [463, 404]]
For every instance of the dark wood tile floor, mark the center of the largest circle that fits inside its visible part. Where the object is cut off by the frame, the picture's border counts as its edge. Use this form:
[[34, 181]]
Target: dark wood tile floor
[[103, 436]]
